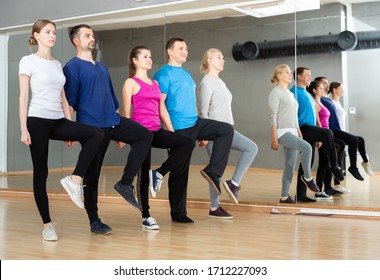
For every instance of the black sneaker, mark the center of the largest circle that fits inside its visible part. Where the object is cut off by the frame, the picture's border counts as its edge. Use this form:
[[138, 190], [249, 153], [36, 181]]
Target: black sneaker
[[220, 213], [232, 191], [99, 228], [304, 199], [213, 180], [332, 192], [127, 192], [287, 200], [337, 173], [355, 172], [310, 184]]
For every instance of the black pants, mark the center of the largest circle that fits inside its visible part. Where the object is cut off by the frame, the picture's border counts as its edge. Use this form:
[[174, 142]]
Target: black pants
[[180, 148], [129, 132], [205, 129], [41, 131], [354, 143], [324, 176], [313, 134]]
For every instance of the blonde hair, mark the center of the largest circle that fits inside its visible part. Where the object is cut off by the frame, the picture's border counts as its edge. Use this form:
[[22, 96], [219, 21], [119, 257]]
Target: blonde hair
[[37, 27], [278, 70], [206, 56]]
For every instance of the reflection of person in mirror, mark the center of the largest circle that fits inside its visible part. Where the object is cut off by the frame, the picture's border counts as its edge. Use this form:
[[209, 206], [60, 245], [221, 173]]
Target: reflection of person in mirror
[[358, 143], [215, 103], [323, 177], [283, 117], [48, 117], [178, 88], [144, 96], [307, 120], [90, 93]]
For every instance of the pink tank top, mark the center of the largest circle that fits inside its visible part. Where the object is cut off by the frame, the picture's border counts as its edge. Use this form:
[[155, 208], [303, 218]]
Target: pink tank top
[[146, 103], [324, 115]]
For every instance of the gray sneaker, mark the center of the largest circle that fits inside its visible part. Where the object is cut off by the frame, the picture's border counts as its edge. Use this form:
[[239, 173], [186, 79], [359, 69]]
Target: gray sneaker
[[127, 192], [49, 233], [75, 191]]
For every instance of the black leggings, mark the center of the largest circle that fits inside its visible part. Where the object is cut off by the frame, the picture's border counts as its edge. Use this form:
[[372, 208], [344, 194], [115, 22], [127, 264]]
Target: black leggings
[[312, 134], [324, 176], [180, 147], [41, 131], [354, 143]]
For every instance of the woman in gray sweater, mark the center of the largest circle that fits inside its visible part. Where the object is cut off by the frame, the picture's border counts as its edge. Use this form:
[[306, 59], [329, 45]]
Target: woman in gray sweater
[[285, 131], [215, 103]]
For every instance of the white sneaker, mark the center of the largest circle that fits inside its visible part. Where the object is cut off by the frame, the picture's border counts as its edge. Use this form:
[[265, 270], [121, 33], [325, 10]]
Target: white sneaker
[[367, 168], [49, 233], [150, 223], [342, 189], [75, 191]]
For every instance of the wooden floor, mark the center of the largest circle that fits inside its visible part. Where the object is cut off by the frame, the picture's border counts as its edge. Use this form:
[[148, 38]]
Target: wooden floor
[[253, 234]]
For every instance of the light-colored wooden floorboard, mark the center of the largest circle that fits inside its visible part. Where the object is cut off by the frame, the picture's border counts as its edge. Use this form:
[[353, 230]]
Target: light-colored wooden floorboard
[[252, 234]]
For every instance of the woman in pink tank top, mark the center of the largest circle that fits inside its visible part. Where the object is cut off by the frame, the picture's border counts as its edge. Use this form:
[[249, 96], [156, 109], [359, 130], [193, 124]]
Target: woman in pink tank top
[[144, 103]]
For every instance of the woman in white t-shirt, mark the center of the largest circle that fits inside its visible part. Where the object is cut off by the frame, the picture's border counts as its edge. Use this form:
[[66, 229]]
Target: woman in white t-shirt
[[336, 90], [48, 117]]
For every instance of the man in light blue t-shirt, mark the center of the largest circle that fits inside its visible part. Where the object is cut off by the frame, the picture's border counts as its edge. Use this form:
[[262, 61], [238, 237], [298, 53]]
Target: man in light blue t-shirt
[[307, 120], [178, 88]]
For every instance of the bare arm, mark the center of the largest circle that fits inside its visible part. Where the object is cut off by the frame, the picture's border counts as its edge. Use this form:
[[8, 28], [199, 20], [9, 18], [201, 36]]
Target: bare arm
[[67, 110], [274, 144], [24, 82], [129, 89], [164, 115]]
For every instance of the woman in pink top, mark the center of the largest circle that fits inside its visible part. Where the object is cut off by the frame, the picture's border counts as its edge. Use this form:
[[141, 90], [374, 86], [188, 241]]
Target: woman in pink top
[[143, 95], [317, 90]]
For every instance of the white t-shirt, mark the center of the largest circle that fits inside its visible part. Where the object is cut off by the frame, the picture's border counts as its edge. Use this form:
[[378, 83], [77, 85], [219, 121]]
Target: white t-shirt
[[46, 83], [340, 114]]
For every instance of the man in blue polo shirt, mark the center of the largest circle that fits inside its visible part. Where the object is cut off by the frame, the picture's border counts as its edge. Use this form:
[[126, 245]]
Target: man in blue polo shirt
[[90, 93], [307, 119]]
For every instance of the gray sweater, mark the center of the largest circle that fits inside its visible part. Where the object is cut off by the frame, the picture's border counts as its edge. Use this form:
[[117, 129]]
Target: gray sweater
[[283, 108], [214, 100]]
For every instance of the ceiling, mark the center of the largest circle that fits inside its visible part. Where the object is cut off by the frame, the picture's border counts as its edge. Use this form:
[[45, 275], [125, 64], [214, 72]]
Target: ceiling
[[180, 11]]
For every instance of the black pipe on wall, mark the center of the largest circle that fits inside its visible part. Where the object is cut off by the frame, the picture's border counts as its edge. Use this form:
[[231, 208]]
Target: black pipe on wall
[[344, 41]]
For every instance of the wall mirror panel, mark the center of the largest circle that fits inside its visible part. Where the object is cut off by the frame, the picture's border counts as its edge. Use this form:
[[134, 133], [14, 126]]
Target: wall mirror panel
[[248, 81]]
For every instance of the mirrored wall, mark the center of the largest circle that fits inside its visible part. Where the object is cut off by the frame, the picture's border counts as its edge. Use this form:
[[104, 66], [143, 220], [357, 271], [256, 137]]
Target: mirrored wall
[[247, 80]]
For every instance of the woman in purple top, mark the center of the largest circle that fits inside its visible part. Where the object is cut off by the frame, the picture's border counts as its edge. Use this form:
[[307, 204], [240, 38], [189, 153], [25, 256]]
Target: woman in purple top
[[144, 96]]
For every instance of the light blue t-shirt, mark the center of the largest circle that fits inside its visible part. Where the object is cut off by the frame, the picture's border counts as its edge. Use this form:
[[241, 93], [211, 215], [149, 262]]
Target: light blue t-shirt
[[306, 106], [179, 87]]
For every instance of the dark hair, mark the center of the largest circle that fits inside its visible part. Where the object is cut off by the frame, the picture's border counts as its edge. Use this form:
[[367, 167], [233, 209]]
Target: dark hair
[[313, 85], [37, 27], [134, 53], [333, 86], [299, 71], [170, 43], [75, 31], [320, 78]]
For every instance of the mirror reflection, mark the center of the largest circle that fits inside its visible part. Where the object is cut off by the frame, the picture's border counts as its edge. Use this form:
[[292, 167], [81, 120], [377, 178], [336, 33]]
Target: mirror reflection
[[248, 82]]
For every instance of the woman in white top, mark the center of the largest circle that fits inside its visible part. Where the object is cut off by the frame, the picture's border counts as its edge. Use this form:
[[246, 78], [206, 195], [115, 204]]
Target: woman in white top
[[336, 90], [283, 108], [215, 103], [48, 117]]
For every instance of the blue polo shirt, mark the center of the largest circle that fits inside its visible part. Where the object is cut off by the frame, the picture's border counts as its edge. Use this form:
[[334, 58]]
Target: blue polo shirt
[[179, 87], [306, 106], [90, 92]]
